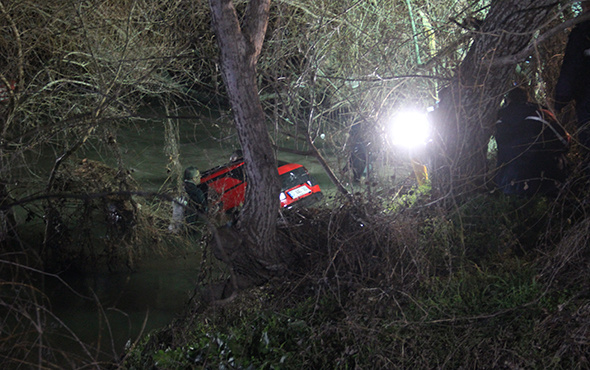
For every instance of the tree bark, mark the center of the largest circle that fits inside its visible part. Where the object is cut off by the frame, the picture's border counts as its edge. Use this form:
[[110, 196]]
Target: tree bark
[[465, 119], [258, 256]]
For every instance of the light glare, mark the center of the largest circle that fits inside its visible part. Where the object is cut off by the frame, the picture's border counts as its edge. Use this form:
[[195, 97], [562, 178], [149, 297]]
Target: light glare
[[410, 129]]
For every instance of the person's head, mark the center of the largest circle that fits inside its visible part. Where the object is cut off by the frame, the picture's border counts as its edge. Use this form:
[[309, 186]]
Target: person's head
[[517, 95], [585, 6], [237, 154], [193, 174]]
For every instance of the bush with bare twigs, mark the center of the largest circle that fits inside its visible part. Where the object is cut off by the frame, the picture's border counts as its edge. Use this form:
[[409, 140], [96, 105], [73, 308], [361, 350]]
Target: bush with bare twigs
[[483, 286]]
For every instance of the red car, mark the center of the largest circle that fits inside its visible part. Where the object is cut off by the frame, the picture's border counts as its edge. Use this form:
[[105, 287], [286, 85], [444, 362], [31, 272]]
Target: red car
[[298, 187]]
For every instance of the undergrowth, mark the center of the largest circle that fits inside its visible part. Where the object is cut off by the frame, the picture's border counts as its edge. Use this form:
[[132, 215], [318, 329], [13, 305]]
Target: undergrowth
[[492, 283]]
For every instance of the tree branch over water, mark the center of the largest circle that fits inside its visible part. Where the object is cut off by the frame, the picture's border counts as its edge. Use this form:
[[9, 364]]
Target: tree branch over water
[[34, 198]]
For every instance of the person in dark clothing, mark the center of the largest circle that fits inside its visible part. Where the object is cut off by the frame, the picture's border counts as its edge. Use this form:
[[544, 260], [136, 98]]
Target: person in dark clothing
[[574, 80], [197, 194], [531, 147], [359, 155]]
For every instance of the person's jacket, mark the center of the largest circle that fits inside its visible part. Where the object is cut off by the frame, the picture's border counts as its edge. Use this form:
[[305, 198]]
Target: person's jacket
[[574, 77], [531, 146], [197, 197]]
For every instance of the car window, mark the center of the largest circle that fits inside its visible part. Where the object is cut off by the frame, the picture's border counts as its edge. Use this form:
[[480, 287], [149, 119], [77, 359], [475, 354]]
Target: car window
[[238, 173], [293, 178]]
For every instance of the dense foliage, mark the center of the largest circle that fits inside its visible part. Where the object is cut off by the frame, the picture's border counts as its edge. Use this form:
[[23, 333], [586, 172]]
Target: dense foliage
[[387, 278], [496, 283]]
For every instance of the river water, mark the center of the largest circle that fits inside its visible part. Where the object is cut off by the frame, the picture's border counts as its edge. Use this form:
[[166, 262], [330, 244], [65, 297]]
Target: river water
[[112, 309], [119, 307]]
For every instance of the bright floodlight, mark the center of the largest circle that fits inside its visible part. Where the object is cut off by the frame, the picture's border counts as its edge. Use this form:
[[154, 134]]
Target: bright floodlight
[[409, 129]]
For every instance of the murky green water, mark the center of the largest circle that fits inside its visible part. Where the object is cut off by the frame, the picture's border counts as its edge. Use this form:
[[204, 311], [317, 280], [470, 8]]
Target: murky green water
[[125, 305], [205, 141], [118, 308]]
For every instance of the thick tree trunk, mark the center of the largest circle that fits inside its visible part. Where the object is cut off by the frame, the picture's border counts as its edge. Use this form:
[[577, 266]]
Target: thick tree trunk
[[468, 106], [258, 255]]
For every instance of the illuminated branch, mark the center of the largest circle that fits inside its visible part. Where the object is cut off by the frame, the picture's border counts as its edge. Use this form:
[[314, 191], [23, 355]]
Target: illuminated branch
[[524, 53]]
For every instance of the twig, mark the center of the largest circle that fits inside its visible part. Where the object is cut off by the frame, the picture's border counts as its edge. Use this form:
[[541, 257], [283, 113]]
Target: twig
[[524, 53]]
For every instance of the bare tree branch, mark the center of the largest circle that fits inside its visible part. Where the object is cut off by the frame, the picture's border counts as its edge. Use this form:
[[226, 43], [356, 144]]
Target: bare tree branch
[[524, 53]]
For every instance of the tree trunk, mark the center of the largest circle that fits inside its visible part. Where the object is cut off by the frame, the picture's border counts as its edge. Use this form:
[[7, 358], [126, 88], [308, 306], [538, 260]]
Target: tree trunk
[[258, 256], [465, 119]]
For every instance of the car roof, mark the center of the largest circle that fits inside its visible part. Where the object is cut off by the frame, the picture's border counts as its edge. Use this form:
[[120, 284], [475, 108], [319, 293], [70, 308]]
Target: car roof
[[219, 170], [282, 166], [287, 167]]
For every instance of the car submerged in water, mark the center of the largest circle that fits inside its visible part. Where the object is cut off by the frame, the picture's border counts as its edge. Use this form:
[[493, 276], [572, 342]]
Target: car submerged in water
[[298, 187]]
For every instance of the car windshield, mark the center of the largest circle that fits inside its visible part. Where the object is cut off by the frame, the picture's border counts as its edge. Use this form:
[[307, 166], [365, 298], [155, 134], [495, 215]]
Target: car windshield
[[293, 178]]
